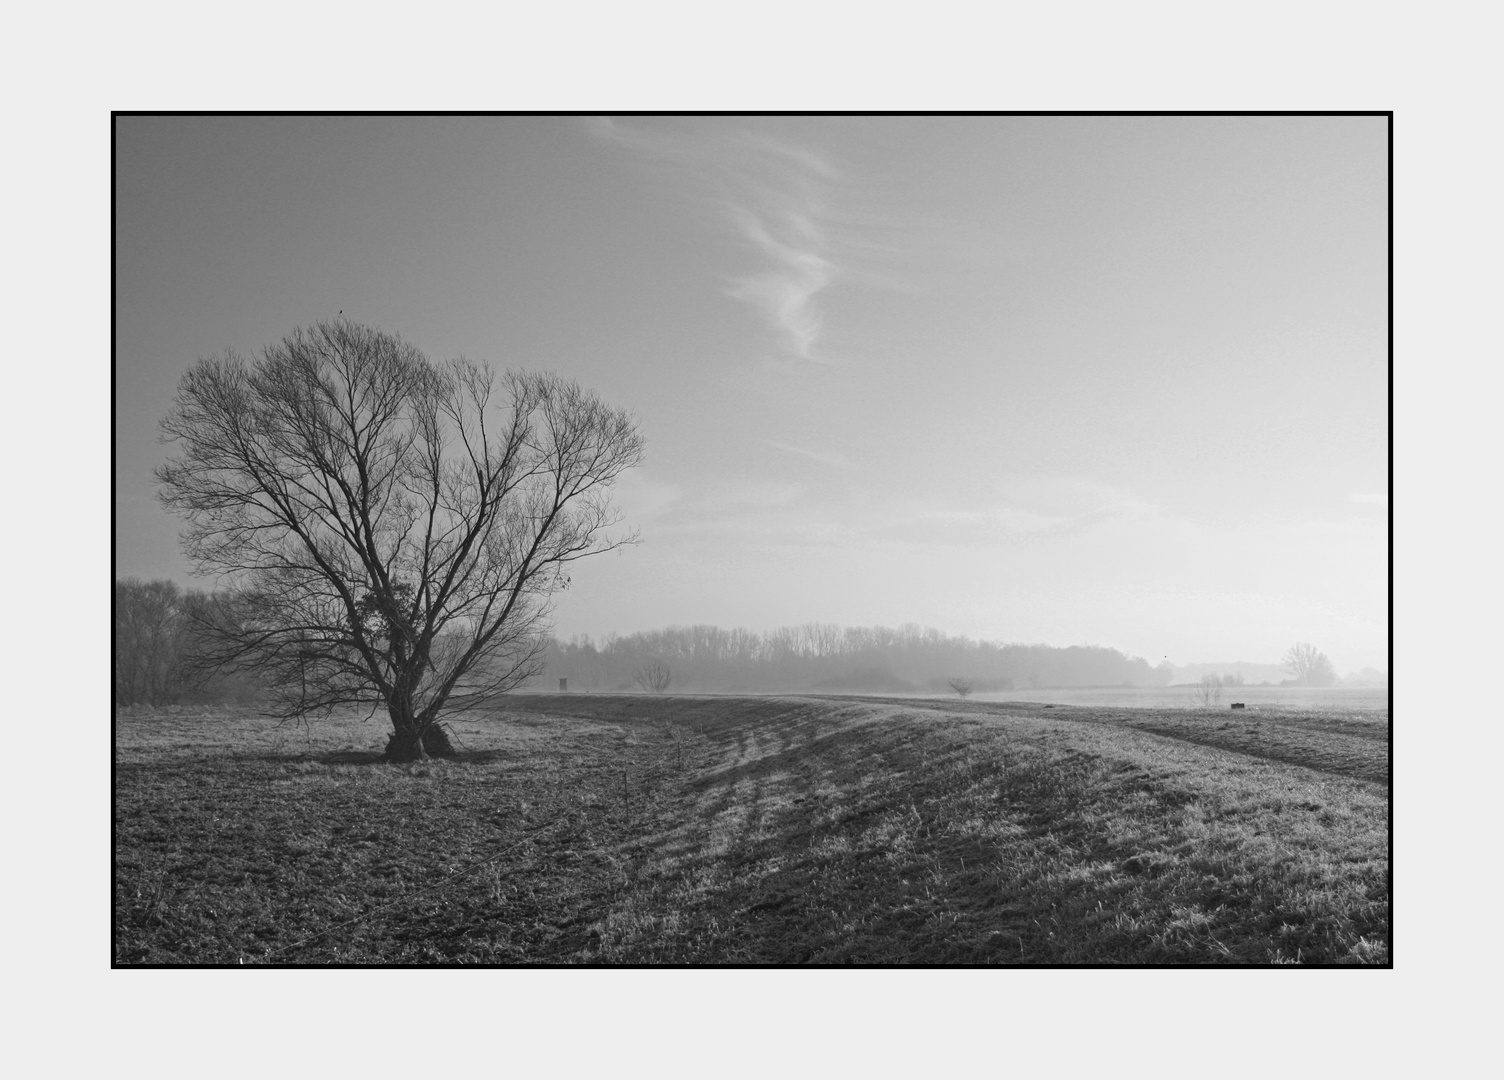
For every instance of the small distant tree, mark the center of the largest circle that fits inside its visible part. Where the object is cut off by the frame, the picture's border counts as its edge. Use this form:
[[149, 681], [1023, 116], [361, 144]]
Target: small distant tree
[[1309, 666], [961, 686], [654, 677], [390, 529], [1209, 690]]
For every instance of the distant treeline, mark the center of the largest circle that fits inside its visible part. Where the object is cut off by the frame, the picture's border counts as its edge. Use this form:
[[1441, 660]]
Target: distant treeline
[[154, 636], [155, 628], [1240, 673], [822, 657]]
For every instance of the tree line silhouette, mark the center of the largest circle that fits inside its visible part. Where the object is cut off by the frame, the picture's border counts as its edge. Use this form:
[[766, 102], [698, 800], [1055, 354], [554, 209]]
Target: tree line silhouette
[[156, 638], [826, 657]]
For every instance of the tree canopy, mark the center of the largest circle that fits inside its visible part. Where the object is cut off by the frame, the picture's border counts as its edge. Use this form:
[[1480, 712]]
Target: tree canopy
[[1309, 666], [388, 529]]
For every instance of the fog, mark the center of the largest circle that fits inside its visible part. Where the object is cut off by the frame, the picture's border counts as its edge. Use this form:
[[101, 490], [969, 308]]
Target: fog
[[825, 658]]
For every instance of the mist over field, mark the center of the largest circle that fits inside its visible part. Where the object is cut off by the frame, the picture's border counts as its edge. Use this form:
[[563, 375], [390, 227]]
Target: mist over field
[[157, 638], [906, 660]]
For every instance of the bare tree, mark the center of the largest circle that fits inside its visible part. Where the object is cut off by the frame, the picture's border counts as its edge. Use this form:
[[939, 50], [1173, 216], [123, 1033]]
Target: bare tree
[[960, 686], [653, 677], [1209, 690], [1309, 666], [149, 621], [391, 528]]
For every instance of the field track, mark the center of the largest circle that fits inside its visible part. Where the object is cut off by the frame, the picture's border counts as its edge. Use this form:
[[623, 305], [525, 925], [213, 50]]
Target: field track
[[1352, 744], [589, 828]]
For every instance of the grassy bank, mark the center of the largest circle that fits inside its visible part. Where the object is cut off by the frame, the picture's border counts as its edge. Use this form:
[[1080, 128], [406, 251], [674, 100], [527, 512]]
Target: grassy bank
[[626, 829]]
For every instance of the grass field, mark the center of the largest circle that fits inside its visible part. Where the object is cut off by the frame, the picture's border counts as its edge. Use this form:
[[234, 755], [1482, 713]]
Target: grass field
[[635, 829]]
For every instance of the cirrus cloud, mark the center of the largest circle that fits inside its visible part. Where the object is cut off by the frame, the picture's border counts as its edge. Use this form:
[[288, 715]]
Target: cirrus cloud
[[771, 195]]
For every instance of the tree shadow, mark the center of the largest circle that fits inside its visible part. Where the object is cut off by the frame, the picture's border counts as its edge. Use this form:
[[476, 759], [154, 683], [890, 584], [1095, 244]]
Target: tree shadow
[[481, 757], [304, 757], [378, 757], [360, 757], [348, 757]]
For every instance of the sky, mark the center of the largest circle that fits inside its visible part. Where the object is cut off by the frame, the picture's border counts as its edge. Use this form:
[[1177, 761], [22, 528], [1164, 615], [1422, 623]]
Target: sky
[[1116, 381]]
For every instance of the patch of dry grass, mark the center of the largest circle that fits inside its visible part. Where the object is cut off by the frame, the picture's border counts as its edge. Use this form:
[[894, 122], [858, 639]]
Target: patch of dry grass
[[622, 829]]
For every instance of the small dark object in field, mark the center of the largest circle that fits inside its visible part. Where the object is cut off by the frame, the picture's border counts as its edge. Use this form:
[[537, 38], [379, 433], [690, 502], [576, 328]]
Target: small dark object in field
[[1049, 706], [1142, 864], [1236, 705]]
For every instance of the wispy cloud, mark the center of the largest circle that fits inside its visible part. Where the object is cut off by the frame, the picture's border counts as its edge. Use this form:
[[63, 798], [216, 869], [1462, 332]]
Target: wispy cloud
[[779, 214], [1023, 510], [1070, 499], [642, 499], [831, 458], [1369, 498], [751, 494], [746, 509], [772, 196]]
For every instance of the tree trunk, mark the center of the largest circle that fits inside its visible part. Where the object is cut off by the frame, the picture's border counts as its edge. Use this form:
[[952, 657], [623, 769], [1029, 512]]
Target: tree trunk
[[405, 744], [410, 743], [437, 743]]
